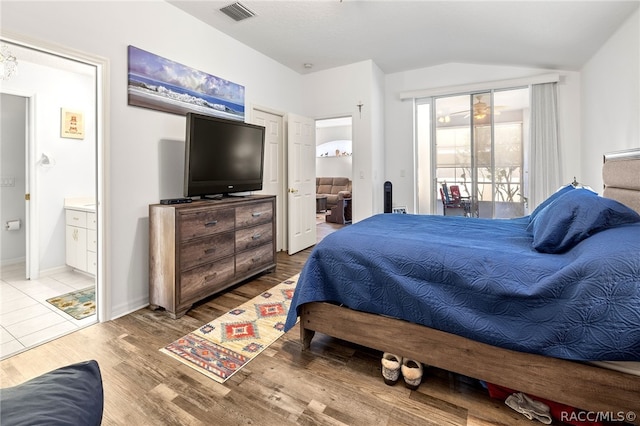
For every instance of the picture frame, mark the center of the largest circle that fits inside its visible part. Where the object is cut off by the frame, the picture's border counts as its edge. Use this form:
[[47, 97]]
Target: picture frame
[[71, 124], [161, 84]]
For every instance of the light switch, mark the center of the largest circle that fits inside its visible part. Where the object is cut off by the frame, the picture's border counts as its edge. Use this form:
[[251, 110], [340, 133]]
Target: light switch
[[7, 181]]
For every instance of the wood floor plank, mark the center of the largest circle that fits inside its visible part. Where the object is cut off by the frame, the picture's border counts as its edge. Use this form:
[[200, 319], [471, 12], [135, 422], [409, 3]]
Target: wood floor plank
[[334, 383]]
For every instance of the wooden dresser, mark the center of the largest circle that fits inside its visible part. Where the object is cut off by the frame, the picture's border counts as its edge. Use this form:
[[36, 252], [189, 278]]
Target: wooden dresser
[[201, 248]]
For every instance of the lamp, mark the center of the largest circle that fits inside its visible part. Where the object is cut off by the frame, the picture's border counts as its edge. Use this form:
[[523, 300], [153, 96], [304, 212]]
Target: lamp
[[480, 109], [8, 63]]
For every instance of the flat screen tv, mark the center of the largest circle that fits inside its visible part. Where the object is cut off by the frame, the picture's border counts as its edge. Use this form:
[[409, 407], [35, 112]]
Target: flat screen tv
[[222, 156]]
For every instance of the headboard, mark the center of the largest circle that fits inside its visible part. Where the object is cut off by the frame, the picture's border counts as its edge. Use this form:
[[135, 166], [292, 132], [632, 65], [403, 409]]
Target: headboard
[[621, 177]]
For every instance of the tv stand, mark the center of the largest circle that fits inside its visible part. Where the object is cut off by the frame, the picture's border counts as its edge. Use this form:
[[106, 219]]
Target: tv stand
[[204, 247], [212, 197]]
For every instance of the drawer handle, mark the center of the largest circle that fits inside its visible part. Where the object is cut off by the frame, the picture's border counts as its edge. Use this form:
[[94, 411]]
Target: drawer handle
[[256, 237], [213, 222], [210, 277], [256, 214], [209, 251]]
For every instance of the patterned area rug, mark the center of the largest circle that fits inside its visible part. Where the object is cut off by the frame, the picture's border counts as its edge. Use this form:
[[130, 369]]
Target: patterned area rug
[[223, 346], [79, 304]]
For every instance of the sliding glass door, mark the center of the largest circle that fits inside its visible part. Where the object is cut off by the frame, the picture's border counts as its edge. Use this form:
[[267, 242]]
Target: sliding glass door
[[477, 144]]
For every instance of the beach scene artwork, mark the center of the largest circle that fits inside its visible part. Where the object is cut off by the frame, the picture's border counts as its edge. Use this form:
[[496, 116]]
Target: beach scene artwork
[[164, 85]]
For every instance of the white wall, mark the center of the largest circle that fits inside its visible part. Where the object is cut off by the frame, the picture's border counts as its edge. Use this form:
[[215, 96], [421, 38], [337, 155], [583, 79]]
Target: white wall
[[72, 169], [399, 124], [334, 167], [332, 133], [145, 145], [378, 140], [337, 93], [611, 100]]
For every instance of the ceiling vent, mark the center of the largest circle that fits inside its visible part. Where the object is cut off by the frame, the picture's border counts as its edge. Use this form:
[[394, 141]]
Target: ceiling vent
[[237, 11]]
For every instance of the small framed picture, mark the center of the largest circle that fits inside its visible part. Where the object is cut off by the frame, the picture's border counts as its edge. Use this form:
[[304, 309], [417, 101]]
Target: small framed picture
[[71, 124]]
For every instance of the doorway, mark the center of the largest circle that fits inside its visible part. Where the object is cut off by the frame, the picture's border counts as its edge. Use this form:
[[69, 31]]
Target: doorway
[[13, 148], [334, 154], [62, 165]]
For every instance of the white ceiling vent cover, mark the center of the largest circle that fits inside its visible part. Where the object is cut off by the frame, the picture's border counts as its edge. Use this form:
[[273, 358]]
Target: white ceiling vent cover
[[237, 11]]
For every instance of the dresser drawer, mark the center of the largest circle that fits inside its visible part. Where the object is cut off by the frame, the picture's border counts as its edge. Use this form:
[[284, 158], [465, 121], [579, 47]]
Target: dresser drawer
[[76, 218], [205, 222], [204, 250], [92, 240], [253, 237], [92, 223], [202, 281], [254, 259], [92, 262], [253, 214]]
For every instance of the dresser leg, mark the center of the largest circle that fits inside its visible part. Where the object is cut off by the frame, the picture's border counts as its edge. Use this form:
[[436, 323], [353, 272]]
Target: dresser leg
[[180, 313]]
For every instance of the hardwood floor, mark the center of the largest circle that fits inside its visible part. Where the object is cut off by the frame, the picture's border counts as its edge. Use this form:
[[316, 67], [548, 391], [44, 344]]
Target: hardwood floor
[[335, 383]]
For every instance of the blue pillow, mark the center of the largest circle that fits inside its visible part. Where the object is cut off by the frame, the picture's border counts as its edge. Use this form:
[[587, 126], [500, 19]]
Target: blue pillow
[[70, 395], [574, 216], [563, 190]]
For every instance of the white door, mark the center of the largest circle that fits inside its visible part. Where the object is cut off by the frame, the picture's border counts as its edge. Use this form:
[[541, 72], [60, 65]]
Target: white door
[[31, 263], [273, 182], [301, 183]]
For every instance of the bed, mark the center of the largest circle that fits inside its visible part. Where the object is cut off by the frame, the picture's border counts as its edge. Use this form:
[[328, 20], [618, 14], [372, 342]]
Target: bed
[[523, 304]]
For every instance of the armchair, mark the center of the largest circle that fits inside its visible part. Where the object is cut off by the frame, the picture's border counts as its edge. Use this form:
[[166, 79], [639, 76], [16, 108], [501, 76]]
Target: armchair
[[334, 188], [341, 212]]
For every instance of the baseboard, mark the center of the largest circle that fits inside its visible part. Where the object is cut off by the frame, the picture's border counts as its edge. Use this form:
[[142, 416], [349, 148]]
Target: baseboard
[[128, 308], [56, 270], [9, 262]]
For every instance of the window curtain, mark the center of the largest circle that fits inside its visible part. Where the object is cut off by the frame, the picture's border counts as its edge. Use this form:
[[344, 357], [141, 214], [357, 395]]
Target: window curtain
[[544, 155]]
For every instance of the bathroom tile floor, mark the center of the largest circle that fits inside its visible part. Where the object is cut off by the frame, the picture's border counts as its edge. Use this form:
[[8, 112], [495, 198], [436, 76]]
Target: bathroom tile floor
[[26, 318]]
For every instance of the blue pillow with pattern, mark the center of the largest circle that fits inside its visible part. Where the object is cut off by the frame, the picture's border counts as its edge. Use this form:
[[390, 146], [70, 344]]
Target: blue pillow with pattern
[[563, 190], [574, 216]]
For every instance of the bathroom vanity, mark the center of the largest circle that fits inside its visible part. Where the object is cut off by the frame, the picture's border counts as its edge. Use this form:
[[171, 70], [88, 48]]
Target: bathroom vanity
[[81, 234]]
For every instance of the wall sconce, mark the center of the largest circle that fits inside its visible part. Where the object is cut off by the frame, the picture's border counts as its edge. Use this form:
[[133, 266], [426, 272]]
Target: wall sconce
[[45, 161], [8, 63]]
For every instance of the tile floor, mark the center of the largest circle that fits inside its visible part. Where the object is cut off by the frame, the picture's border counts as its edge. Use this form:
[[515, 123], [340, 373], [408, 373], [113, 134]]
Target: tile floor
[[26, 318]]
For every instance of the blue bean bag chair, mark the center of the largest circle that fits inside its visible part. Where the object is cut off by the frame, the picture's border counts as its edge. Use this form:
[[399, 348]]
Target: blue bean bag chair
[[70, 395]]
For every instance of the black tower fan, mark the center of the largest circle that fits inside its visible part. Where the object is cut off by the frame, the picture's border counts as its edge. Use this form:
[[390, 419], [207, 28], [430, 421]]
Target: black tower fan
[[387, 197]]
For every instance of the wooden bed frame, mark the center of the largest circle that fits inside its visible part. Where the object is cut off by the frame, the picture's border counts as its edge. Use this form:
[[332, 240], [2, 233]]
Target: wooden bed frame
[[576, 384]]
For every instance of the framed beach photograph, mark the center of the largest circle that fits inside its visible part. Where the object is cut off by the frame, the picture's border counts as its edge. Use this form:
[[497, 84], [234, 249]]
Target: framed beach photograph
[[164, 85], [71, 124]]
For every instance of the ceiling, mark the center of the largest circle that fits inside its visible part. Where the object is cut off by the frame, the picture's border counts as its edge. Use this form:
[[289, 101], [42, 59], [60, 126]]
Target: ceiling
[[404, 35]]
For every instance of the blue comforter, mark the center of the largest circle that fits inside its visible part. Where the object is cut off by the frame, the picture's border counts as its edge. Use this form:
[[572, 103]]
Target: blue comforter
[[482, 279]]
